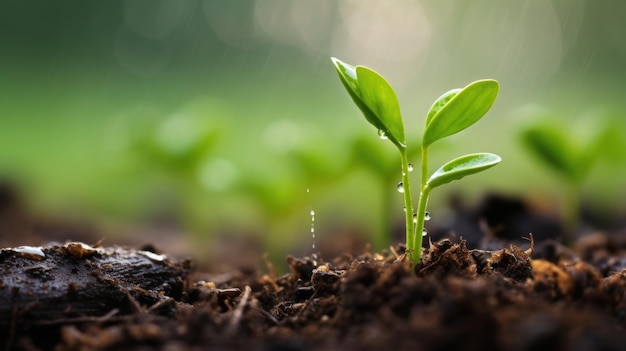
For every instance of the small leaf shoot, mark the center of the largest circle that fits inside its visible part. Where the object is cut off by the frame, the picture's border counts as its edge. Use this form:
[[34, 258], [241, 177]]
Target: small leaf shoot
[[456, 110], [571, 157], [451, 113], [461, 167], [375, 98]]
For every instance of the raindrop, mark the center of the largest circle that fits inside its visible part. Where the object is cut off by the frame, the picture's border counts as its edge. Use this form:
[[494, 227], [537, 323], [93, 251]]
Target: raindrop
[[312, 213], [414, 217], [382, 134], [400, 187], [424, 232], [410, 167], [427, 216]]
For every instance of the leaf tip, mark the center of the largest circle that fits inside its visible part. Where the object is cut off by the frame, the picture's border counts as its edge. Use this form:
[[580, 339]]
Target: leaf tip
[[494, 84]]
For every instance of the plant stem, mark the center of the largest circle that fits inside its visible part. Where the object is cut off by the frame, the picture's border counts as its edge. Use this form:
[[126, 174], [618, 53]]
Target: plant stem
[[408, 204], [571, 213], [421, 210], [419, 226]]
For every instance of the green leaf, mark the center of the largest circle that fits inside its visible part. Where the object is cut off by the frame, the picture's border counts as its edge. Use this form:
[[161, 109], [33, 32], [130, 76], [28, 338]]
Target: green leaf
[[375, 97], [461, 167], [552, 146], [441, 102], [457, 110]]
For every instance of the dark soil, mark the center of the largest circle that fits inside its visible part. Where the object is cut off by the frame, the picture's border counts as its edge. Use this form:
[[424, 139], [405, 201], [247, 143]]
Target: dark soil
[[81, 297]]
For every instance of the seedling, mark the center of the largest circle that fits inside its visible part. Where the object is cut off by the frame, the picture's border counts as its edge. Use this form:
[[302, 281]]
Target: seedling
[[569, 156], [382, 164], [451, 113]]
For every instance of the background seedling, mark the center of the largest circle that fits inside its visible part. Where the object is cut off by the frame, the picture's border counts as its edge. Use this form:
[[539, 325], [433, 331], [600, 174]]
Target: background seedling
[[572, 157], [173, 154], [451, 113], [383, 165]]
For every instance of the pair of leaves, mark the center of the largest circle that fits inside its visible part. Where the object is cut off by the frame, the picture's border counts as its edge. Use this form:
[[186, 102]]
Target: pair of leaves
[[451, 113], [375, 98]]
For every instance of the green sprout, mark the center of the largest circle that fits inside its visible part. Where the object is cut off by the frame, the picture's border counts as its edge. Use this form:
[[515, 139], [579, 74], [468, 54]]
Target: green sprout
[[451, 113], [366, 153], [571, 157]]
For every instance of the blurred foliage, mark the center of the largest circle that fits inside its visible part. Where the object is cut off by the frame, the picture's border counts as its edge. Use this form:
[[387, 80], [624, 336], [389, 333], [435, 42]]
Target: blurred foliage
[[571, 151], [221, 114]]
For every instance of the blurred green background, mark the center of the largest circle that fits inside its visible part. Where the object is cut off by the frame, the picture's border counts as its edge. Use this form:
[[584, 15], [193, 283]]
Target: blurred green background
[[219, 118]]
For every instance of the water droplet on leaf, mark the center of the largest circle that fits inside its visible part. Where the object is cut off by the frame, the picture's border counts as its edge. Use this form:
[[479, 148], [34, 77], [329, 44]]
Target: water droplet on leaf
[[410, 167], [427, 216], [382, 134], [414, 217]]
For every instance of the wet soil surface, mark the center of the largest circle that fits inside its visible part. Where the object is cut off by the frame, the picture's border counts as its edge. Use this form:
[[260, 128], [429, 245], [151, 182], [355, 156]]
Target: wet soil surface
[[80, 297], [74, 296]]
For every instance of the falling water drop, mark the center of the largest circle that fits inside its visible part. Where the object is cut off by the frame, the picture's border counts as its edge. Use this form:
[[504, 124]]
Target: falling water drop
[[410, 167], [427, 216], [312, 228], [312, 213], [400, 187], [382, 134]]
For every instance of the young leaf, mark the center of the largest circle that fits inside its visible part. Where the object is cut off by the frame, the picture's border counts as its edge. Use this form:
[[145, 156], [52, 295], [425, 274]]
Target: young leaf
[[552, 146], [375, 98], [460, 109], [441, 102], [461, 167]]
